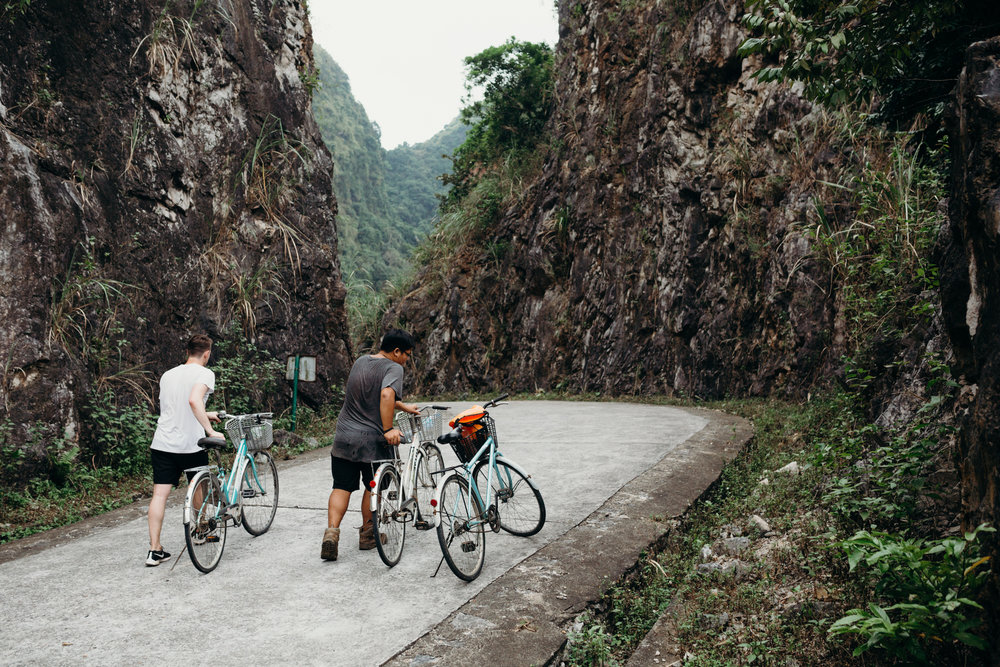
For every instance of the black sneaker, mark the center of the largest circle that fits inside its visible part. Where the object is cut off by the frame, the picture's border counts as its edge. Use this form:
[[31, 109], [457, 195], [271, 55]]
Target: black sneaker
[[155, 557]]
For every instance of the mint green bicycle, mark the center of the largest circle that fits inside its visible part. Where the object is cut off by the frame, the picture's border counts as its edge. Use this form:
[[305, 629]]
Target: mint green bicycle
[[487, 490], [246, 495]]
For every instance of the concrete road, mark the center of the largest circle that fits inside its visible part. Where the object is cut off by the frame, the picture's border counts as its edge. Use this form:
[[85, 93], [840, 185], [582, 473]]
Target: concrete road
[[272, 600]]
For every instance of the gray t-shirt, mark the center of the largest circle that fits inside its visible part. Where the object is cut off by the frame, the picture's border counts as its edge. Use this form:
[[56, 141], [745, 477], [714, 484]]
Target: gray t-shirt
[[359, 426]]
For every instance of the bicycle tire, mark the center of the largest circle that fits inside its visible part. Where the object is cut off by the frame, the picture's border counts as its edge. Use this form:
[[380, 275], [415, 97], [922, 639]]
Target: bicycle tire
[[518, 502], [390, 528], [204, 527], [463, 545], [259, 494], [429, 460]]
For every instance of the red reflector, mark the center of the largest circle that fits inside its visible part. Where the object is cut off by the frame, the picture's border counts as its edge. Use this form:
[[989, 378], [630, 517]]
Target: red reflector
[[434, 502], [372, 483]]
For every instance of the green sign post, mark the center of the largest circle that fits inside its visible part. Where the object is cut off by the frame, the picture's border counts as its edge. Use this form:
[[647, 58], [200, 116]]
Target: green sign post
[[299, 368]]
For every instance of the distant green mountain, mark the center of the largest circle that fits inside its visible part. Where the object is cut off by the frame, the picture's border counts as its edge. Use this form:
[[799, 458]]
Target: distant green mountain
[[386, 200], [414, 177], [372, 246]]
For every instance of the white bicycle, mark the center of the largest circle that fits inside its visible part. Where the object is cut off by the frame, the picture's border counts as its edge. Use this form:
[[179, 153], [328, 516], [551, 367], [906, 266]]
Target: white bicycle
[[402, 491]]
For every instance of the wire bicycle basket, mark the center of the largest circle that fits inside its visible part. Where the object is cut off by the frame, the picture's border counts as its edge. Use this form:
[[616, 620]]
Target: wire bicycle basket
[[258, 431], [473, 436], [425, 427]]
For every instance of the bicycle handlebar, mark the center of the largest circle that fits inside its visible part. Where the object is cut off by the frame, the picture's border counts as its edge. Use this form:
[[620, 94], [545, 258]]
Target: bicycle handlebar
[[496, 401], [222, 414]]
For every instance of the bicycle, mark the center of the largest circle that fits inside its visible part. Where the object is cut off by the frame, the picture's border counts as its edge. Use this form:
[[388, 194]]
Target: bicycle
[[401, 492], [462, 513], [247, 495]]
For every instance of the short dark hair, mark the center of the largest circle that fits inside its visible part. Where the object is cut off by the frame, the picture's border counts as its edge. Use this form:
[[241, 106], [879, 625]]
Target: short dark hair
[[198, 344], [397, 338]]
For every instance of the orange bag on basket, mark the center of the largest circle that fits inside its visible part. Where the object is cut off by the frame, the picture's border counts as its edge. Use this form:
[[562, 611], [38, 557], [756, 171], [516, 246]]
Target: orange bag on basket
[[466, 418]]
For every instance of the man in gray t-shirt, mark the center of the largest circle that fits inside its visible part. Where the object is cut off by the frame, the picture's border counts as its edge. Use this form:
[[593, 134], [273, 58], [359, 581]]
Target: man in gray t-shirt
[[365, 433]]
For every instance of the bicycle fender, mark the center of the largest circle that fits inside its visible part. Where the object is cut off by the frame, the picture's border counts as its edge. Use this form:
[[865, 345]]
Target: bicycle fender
[[375, 479], [189, 496]]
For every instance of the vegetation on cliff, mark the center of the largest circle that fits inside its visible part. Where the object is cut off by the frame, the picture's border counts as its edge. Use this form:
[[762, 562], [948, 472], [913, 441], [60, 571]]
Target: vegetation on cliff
[[906, 54], [387, 200]]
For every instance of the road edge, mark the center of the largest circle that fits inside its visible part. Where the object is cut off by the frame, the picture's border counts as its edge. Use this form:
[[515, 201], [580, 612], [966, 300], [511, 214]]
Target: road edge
[[525, 610]]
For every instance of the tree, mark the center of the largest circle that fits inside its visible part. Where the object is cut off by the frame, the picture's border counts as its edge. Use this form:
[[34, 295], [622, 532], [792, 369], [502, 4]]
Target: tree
[[516, 82]]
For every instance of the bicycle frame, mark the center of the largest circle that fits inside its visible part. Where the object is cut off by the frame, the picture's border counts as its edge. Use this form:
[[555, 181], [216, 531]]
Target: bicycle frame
[[468, 469], [231, 482], [407, 472]]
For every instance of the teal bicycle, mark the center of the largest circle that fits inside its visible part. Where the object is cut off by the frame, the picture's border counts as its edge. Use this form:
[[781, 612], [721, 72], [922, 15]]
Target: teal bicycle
[[487, 490], [246, 495]]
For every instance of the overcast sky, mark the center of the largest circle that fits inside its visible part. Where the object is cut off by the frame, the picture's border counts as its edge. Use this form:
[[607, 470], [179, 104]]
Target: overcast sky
[[404, 58]]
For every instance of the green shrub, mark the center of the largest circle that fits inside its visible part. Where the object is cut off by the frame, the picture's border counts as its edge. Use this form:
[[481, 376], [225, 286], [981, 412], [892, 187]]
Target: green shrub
[[120, 434], [930, 585], [246, 377]]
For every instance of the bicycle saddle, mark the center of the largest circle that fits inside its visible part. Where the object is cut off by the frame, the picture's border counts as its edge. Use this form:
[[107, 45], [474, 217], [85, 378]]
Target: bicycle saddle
[[449, 437], [212, 443]]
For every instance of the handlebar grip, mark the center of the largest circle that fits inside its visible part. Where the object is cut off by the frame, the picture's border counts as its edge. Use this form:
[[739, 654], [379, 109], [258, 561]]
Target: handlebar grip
[[440, 407], [497, 399]]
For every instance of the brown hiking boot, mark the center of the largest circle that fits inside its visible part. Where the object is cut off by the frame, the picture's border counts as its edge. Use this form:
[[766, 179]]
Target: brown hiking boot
[[366, 536], [331, 538]]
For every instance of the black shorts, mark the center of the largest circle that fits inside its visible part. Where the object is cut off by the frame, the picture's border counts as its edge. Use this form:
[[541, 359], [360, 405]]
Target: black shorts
[[168, 466], [346, 473]]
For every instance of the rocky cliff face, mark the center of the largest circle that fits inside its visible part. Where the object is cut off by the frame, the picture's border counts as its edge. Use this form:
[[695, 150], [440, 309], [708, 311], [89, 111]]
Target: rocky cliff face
[[160, 175], [664, 247], [971, 286]]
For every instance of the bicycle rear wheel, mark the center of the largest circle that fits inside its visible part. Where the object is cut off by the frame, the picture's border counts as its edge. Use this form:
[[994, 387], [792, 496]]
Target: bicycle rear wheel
[[259, 493], [205, 521], [429, 460], [390, 527], [518, 502], [461, 530]]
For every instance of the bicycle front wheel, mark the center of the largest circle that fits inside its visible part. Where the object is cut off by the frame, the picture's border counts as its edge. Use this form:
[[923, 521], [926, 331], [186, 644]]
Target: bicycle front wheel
[[259, 493], [429, 460], [518, 502], [461, 529], [205, 521], [390, 526]]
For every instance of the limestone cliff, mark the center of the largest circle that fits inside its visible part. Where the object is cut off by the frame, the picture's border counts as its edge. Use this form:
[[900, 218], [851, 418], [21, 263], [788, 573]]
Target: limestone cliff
[[971, 285], [664, 247], [160, 174]]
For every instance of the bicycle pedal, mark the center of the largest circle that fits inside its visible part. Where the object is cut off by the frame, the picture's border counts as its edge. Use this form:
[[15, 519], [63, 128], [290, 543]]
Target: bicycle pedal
[[249, 493], [393, 495], [468, 547], [422, 525]]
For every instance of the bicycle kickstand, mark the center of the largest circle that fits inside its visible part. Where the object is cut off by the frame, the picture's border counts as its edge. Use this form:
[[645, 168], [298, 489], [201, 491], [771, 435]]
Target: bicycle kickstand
[[182, 553], [435, 571]]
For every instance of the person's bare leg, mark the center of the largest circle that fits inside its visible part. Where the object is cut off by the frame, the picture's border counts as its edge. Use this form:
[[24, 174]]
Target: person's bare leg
[[337, 507], [157, 508], [335, 510]]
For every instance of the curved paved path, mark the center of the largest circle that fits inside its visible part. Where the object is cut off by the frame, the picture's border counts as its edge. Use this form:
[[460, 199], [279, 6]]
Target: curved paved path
[[604, 469]]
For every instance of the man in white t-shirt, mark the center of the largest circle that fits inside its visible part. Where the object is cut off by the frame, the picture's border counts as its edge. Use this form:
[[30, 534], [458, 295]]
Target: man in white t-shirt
[[183, 421]]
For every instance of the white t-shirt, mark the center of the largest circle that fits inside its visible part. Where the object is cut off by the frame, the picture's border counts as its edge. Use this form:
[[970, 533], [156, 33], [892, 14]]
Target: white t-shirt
[[177, 430]]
